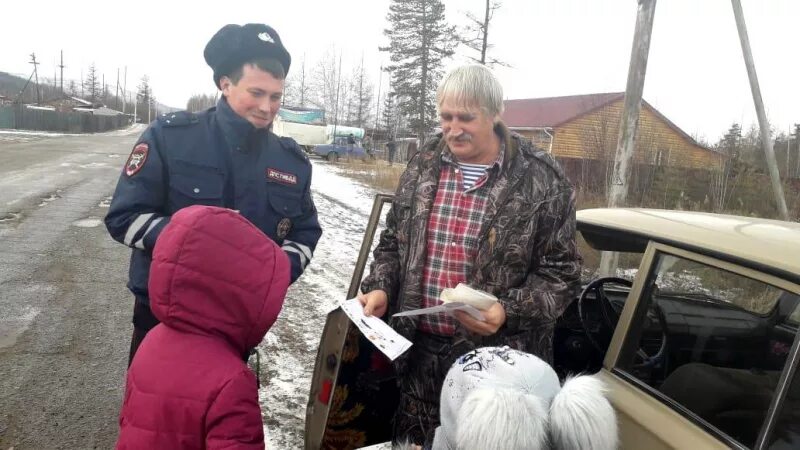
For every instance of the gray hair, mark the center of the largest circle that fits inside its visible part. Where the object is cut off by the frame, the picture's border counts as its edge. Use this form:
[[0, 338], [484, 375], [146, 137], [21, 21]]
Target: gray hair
[[472, 85]]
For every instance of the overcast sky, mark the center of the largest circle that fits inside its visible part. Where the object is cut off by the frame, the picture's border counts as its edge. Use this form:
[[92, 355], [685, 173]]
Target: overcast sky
[[695, 76]]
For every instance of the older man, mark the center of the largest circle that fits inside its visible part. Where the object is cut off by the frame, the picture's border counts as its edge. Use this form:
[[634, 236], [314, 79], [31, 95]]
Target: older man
[[477, 205]]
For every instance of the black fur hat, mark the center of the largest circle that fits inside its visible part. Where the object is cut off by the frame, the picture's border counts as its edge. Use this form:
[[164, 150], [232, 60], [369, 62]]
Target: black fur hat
[[233, 45]]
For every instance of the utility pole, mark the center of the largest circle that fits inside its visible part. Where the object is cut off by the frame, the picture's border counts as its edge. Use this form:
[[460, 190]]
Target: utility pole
[[336, 106], [36, 75], [629, 123], [124, 88], [116, 92], [361, 93], [766, 138], [303, 84], [62, 72], [788, 149], [797, 140], [378, 106]]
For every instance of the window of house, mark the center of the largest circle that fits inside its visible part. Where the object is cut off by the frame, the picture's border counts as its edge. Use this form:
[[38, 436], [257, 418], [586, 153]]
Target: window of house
[[661, 157], [720, 342]]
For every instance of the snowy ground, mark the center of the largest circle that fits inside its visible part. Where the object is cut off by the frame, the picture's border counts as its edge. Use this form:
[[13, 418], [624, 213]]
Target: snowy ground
[[65, 312], [291, 347]]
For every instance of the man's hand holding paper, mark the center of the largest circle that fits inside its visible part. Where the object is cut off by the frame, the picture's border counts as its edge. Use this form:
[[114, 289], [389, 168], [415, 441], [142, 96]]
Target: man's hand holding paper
[[492, 314], [478, 311], [493, 319]]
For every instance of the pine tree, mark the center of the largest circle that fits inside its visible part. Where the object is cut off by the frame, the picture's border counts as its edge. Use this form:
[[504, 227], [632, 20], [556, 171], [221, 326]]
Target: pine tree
[[144, 100], [419, 40], [91, 84], [389, 115], [730, 142]]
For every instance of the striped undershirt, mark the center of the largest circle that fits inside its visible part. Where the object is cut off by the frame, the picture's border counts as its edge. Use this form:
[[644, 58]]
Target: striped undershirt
[[471, 173]]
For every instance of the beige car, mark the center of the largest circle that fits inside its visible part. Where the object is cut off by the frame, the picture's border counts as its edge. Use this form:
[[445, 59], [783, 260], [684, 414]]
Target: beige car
[[697, 339]]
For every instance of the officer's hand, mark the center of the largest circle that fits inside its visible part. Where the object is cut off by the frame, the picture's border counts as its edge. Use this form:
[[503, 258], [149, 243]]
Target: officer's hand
[[375, 302], [495, 318]]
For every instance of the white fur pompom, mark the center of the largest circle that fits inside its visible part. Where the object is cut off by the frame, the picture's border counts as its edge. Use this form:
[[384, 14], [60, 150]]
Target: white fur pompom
[[499, 419], [581, 417]]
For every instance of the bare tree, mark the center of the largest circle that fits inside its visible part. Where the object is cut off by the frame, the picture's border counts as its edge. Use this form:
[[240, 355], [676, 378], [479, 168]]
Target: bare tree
[[297, 90], [325, 80], [360, 97], [476, 34], [725, 179], [200, 102]]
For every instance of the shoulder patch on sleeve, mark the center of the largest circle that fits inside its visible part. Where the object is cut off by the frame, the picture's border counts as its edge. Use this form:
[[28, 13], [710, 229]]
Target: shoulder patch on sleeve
[[177, 119], [137, 159]]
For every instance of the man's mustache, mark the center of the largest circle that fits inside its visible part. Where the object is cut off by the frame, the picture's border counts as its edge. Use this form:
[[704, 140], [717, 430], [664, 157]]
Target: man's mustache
[[463, 137]]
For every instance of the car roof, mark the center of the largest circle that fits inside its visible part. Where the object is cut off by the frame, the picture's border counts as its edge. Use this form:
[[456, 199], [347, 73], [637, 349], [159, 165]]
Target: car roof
[[764, 242]]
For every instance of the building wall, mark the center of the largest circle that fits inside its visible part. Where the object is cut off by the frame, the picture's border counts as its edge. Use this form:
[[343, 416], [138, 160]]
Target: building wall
[[594, 136]]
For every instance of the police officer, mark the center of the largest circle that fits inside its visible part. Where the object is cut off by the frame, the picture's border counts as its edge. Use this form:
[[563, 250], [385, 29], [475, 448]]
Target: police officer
[[225, 156]]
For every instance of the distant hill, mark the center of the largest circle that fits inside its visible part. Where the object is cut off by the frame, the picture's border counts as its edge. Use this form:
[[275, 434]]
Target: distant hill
[[11, 85]]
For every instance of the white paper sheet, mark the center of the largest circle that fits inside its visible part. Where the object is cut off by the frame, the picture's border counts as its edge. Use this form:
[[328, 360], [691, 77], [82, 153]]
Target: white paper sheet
[[465, 294], [377, 331], [461, 298], [445, 308]]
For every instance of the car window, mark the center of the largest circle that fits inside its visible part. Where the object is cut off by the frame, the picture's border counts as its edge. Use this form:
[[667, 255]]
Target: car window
[[627, 263], [786, 434], [683, 277], [794, 318], [711, 341]]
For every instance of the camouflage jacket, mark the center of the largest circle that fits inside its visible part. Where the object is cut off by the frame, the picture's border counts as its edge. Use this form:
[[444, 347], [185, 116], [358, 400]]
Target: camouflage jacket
[[527, 253]]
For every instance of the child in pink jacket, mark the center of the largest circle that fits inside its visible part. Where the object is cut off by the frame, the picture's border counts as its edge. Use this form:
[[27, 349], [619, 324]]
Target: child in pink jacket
[[217, 284]]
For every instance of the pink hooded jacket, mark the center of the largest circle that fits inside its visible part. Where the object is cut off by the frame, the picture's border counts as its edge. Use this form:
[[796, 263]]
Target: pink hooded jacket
[[217, 284]]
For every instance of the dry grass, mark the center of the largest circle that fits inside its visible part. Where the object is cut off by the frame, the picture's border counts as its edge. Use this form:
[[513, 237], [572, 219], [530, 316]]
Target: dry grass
[[375, 173]]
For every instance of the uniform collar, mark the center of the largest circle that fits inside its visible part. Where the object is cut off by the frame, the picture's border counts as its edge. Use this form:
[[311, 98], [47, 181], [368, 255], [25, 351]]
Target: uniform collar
[[236, 129]]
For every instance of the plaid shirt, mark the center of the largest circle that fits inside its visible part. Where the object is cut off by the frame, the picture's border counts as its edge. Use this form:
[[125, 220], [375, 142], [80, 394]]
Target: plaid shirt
[[453, 228]]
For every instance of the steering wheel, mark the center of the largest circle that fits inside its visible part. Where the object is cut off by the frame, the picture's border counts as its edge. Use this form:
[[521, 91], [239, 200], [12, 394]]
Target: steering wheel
[[609, 315]]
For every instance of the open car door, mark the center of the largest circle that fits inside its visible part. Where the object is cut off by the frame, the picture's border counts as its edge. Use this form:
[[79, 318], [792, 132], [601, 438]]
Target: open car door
[[353, 390]]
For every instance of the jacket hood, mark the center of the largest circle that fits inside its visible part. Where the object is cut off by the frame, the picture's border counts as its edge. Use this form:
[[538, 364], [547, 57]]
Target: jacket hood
[[214, 273]]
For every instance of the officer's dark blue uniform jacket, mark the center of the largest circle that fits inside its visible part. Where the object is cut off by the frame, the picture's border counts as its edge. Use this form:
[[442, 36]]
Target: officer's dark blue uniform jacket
[[213, 158]]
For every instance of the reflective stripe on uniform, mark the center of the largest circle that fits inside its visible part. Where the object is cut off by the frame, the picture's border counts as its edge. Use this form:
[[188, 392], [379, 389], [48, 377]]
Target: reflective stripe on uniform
[[303, 259], [140, 242], [303, 248], [135, 227]]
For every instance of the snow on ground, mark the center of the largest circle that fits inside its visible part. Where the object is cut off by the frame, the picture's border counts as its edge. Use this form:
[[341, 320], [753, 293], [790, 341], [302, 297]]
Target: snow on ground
[[290, 348], [26, 135]]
